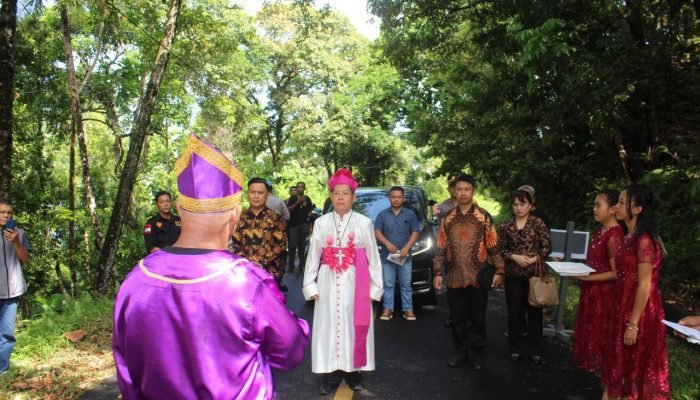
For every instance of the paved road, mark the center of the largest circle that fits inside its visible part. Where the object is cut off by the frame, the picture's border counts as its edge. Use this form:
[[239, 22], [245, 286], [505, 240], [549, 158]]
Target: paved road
[[411, 364]]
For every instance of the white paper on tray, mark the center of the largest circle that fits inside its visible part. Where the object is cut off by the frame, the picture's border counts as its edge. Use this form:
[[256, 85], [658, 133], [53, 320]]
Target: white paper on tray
[[692, 334], [566, 268]]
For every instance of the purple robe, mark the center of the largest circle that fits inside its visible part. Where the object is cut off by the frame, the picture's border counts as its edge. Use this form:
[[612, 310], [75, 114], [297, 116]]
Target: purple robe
[[202, 326]]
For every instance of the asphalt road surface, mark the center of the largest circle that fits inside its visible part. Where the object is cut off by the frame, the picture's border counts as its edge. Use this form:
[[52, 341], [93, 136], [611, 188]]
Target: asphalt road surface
[[411, 361]]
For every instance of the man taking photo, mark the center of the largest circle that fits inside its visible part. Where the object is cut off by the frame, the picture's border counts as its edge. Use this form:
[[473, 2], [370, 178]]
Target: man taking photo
[[300, 206], [15, 247]]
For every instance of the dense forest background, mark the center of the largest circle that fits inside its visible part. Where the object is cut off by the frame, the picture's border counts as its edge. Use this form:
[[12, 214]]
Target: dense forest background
[[98, 96]]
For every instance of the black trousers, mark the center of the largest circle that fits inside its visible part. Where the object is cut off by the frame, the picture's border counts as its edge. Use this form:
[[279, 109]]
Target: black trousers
[[468, 314], [297, 243], [517, 291]]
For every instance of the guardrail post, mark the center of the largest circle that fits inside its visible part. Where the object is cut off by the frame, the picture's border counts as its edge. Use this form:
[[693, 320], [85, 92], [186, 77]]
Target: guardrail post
[[564, 282]]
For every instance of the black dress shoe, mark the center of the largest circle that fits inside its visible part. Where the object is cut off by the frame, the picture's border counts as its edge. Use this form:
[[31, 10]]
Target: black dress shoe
[[356, 386], [515, 357], [283, 287], [458, 361], [448, 323]]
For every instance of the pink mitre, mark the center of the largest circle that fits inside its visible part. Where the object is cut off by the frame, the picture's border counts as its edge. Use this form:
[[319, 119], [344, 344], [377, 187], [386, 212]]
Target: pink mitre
[[342, 176]]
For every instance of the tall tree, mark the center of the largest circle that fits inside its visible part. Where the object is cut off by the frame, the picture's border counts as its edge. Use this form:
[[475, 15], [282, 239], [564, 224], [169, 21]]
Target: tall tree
[[309, 52], [580, 91], [77, 125], [105, 276], [8, 28]]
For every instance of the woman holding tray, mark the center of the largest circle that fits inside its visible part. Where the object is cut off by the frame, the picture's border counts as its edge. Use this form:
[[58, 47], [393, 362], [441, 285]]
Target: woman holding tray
[[525, 244], [595, 304], [636, 363]]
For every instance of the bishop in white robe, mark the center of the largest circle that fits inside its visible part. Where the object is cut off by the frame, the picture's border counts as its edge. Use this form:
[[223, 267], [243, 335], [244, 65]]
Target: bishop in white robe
[[343, 273]]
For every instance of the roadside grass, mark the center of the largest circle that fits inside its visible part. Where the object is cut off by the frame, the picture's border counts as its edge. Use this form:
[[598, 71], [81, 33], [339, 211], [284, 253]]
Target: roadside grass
[[46, 365], [684, 366]]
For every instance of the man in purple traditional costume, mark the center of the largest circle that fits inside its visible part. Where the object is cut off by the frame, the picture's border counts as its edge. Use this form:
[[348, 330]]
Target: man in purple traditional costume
[[343, 275], [193, 321]]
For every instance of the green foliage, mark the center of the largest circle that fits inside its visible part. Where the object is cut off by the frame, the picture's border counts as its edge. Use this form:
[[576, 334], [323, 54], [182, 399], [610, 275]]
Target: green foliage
[[569, 97], [683, 364], [41, 338], [677, 218]]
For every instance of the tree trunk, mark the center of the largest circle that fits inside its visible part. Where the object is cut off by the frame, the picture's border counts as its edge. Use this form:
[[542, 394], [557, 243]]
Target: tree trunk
[[114, 125], [105, 281], [59, 276], [8, 29], [71, 222], [77, 118]]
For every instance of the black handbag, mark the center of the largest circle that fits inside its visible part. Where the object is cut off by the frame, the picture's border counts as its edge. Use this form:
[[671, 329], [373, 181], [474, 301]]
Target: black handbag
[[485, 276]]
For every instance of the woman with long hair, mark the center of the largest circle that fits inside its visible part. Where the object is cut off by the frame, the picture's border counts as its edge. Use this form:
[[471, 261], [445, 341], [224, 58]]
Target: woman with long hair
[[636, 363]]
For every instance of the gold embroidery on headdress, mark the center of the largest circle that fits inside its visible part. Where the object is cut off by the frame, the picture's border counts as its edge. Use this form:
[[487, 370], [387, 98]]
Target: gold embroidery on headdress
[[209, 205], [196, 146]]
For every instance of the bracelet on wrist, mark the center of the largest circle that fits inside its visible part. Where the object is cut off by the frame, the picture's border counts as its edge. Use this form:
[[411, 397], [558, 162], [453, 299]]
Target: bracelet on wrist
[[632, 327]]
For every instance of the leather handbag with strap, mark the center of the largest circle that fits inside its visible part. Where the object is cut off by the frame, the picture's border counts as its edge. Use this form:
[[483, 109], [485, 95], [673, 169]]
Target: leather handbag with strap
[[543, 289]]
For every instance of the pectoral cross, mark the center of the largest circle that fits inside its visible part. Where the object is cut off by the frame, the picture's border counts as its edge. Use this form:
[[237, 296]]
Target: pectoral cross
[[340, 255]]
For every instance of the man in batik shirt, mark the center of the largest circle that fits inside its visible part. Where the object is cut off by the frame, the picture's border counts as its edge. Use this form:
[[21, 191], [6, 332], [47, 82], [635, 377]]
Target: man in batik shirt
[[467, 239], [261, 236]]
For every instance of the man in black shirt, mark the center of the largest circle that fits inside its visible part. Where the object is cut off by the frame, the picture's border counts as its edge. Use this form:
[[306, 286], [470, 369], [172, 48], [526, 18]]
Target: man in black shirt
[[300, 206], [162, 229]]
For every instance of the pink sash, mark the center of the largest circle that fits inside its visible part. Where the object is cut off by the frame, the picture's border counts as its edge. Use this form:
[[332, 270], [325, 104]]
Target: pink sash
[[363, 306]]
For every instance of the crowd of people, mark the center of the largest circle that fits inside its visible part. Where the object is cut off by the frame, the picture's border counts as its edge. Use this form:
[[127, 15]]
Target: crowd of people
[[205, 316]]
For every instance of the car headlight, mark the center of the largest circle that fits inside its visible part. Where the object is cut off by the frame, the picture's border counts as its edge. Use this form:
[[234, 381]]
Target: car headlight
[[422, 245]]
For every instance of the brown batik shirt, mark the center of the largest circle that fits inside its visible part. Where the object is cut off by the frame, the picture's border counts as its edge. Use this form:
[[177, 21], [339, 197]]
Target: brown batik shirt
[[532, 240], [262, 239], [465, 244]]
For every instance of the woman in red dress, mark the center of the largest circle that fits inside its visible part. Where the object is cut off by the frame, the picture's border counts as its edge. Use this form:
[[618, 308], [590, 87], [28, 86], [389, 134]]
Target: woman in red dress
[[636, 364], [594, 308]]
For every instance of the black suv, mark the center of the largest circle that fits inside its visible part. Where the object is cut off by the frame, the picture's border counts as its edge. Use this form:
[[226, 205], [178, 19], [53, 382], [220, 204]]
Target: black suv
[[372, 200]]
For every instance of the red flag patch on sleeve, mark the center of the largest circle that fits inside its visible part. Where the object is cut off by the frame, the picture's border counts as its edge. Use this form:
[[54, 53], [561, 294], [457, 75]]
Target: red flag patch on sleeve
[[147, 229]]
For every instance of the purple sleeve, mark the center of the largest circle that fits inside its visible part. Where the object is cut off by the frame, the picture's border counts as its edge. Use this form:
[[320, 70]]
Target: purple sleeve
[[283, 337], [126, 385]]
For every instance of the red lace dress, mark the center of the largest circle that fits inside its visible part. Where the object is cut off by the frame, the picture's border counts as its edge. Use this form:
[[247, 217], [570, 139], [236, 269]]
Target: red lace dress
[[594, 309], [639, 371]]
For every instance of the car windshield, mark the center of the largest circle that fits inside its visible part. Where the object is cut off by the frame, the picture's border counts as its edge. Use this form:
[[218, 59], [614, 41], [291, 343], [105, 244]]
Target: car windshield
[[371, 202]]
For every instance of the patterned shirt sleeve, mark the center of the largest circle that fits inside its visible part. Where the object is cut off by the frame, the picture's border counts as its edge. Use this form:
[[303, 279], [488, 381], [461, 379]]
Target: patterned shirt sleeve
[[492, 247], [279, 242], [506, 251], [235, 245], [545, 242], [439, 260]]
